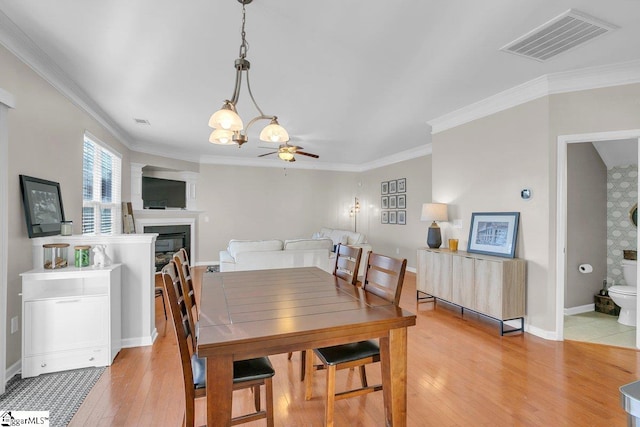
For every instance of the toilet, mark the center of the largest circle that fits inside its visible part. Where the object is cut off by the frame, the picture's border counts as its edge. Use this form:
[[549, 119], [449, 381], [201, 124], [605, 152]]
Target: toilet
[[626, 296]]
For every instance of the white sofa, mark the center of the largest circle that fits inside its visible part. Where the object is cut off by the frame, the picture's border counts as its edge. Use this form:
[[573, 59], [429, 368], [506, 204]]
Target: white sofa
[[242, 255]]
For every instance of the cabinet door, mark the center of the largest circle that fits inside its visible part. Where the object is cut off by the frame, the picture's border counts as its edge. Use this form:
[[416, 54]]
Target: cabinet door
[[425, 259], [488, 280], [442, 275], [65, 324], [462, 281]]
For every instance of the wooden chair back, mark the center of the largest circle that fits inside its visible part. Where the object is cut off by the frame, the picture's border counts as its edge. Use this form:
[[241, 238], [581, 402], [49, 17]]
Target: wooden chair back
[[184, 335], [184, 272], [171, 272], [347, 263], [385, 276]]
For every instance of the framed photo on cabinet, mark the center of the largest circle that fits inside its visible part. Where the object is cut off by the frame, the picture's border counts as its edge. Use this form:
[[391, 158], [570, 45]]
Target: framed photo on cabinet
[[494, 233]]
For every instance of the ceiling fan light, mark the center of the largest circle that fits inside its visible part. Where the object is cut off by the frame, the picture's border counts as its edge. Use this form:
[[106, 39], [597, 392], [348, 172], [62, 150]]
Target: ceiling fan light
[[221, 137], [226, 119], [273, 132], [285, 155]]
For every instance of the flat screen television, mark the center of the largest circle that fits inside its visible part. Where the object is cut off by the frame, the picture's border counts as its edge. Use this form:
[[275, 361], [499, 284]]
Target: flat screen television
[[158, 193]]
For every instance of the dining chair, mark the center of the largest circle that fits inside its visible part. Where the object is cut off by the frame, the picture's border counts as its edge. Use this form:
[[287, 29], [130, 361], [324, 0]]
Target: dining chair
[[184, 272], [159, 292], [384, 277], [346, 267], [251, 373], [170, 271], [347, 263]]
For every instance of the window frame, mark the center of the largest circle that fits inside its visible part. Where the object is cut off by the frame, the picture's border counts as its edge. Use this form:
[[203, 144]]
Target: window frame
[[115, 206]]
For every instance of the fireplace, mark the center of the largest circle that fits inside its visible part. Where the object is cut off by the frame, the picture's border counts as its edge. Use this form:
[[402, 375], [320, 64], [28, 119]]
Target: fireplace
[[170, 239]]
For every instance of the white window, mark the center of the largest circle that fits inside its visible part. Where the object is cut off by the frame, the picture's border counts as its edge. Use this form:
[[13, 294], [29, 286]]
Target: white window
[[101, 184]]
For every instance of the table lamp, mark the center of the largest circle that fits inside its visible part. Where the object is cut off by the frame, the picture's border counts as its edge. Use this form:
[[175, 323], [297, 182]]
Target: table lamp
[[434, 212]]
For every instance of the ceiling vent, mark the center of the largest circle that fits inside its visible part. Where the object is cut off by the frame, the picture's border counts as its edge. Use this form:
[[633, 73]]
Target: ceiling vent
[[564, 32]]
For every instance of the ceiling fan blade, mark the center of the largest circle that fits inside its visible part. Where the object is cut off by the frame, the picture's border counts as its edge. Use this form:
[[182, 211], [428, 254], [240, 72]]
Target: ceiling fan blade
[[315, 156], [268, 154]]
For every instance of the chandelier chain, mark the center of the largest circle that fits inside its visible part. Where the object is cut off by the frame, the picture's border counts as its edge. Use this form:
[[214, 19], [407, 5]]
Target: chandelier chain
[[244, 46]]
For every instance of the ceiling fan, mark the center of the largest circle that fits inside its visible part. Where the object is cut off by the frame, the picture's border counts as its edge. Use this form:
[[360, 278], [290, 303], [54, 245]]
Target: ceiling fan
[[286, 152]]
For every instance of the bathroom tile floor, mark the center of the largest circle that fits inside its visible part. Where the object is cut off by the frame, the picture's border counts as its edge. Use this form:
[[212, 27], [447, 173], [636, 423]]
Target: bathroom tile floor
[[599, 328]]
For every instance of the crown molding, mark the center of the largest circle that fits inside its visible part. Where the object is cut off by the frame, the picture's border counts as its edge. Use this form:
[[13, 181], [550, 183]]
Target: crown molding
[[275, 163], [548, 84], [410, 154], [18, 43], [7, 99]]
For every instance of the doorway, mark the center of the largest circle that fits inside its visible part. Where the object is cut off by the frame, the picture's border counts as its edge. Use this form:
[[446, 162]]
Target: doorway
[[561, 214]]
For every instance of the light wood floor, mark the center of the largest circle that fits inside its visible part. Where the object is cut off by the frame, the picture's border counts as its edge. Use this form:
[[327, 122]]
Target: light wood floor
[[461, 373]]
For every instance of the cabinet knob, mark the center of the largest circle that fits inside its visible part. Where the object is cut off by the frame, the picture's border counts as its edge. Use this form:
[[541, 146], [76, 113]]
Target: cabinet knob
[[42, 365]]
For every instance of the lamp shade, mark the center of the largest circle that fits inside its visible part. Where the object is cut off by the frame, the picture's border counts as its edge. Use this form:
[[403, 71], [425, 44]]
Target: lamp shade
[[273, 132], [434, 212], [222, 137], [226, 119]]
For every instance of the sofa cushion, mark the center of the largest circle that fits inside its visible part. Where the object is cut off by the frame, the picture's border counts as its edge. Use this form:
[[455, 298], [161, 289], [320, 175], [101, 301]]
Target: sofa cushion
[[237, 246], [343, 236], [298, 244]]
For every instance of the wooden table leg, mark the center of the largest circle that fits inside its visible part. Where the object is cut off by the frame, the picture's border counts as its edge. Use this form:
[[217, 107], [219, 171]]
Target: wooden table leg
[[393, 358], [219, 390]]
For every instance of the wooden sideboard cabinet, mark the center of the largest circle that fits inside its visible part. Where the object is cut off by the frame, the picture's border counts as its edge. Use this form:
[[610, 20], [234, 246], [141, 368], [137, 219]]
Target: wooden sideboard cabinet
[[71, 318], [489, 285]]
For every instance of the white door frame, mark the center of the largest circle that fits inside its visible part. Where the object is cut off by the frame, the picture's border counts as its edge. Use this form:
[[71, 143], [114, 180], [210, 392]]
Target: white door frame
[[561, 214], [6, 101]]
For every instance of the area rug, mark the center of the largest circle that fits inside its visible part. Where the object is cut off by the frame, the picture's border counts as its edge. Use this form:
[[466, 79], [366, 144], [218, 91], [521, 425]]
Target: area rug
[[60, 393]]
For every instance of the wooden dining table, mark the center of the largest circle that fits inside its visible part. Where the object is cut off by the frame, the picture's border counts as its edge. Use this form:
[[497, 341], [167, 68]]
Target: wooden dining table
[[247, 314]]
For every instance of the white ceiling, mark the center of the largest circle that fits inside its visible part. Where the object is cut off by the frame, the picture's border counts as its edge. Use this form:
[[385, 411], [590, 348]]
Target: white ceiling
[[352, 81]]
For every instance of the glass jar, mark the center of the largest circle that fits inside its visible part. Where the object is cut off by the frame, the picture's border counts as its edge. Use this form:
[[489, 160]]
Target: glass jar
[[81, 256], [55, 255], [66, 228]]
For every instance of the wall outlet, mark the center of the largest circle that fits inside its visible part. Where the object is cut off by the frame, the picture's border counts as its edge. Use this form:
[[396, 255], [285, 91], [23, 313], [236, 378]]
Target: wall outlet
[[457, 223], [14, 324]]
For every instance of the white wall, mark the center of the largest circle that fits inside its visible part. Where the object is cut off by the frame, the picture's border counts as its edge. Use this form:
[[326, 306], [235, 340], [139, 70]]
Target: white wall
[[45, 140], [483, 165]]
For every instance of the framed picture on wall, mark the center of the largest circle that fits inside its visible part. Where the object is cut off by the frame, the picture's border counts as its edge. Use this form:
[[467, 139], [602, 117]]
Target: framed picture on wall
[[393, 217], [402, 185], [494, 233], [402, 217], [42, 202], [384, 187], [384, 217], [384, 202], [392, 187], [401, 200], [392, 202]]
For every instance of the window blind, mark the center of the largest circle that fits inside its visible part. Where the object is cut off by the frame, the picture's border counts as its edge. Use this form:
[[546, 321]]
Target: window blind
[[101, 188]]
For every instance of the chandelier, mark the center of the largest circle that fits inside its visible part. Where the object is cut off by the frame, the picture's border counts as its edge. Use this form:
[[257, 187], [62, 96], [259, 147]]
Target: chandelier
[[227, 124]]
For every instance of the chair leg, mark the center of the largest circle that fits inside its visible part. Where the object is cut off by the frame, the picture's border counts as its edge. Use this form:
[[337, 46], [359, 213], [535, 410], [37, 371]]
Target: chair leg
[[256, 397], [363, 376], [331, 396], [308, 380], [289, 355], [164, 306], [303, 364], [268, 385]]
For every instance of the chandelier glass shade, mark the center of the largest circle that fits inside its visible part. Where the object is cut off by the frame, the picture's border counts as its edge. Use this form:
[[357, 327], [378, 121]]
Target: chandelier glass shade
[[227, 119]]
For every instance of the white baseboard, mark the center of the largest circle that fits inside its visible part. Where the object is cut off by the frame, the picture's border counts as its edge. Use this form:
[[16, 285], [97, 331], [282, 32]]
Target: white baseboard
[[580, 309], [547, 335], [139, 341], [411, 269], [13, 370]]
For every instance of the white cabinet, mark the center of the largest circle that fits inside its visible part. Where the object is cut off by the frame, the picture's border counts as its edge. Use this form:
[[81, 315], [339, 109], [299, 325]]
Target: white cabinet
[[489, 285], [71, 318]]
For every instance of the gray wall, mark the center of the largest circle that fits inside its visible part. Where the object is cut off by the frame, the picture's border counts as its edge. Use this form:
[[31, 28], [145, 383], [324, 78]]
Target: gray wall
[[586, 223]]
